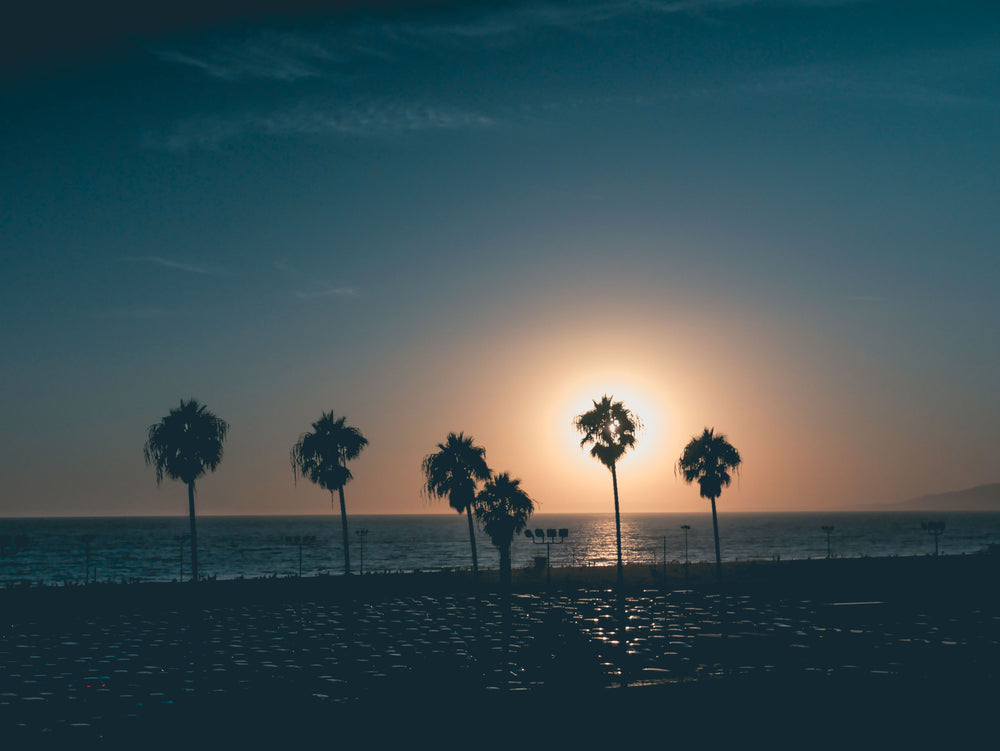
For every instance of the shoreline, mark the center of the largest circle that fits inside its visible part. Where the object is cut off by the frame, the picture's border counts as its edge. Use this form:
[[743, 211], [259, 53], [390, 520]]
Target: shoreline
[[932, 580]]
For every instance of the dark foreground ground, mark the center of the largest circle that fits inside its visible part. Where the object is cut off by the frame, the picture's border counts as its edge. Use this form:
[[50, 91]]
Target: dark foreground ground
[[860, 653]]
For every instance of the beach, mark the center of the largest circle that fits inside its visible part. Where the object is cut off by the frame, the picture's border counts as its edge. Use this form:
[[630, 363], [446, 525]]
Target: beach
[[900, 647]]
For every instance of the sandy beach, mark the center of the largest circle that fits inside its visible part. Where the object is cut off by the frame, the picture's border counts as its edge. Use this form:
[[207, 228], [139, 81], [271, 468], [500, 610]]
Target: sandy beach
[[893, 648]]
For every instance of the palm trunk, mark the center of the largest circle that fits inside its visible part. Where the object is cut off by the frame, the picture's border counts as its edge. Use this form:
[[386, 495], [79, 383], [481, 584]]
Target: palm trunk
[[715, 529], [618, 531], [343, 524], [194, 534], [472, 541], [505, 577]]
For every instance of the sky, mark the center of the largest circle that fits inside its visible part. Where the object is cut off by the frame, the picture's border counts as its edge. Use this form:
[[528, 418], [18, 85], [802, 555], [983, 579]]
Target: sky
[[776, 218]]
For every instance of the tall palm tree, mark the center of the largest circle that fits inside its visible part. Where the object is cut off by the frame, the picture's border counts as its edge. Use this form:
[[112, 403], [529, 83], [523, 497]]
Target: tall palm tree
[[321, 457], [453, 472], [709, 459], [182, 446], [502, 509], [610, 429]]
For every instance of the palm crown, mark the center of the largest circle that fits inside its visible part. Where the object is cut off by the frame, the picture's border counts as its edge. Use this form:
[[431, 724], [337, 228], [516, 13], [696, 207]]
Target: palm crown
[[186, 443], [609, 428], [454, 470], [709, 459], [322, 455], [503, 508]]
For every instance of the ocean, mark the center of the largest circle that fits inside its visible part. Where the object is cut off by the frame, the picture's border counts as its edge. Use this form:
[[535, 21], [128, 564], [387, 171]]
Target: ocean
[[54, 550]]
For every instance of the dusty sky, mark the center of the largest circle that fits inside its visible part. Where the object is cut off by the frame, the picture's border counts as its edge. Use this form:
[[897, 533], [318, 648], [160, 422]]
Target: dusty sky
[[778, 219]]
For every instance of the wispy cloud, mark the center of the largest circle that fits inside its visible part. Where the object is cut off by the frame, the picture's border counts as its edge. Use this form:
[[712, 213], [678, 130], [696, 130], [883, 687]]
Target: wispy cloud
[[327, 292], [176, 265], [315, 288], [136, 313], [941, 80], [295, 55], [372, 119], [286, 57]]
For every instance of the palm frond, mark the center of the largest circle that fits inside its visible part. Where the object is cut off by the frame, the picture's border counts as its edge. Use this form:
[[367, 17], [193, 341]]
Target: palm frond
[[321, 455], [708, 460], [610, 429], [185, 443], [454, 470], [503, 508]]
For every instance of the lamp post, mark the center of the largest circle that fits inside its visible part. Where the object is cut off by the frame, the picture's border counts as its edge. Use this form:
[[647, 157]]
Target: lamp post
[[301, 541], [87, 539], [934, 528], [686, 528], [361, 534], [828, 528], [180, 540], [548, 538]]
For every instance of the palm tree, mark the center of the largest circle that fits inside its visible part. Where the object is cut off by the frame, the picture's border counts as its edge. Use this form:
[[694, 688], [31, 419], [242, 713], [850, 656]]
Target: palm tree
[[611, 429], [453, 472], [502, 510], [182, 446], [321, 457], [709, 458]]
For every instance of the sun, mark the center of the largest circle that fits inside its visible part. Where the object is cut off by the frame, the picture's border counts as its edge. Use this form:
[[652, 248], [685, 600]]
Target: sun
[[641, 398]]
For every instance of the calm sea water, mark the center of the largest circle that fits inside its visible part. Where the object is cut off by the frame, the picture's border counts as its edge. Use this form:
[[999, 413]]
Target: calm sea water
[[53, 550]]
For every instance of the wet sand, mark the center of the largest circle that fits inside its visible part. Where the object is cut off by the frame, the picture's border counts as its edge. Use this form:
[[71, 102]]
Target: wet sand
[[854, 650]]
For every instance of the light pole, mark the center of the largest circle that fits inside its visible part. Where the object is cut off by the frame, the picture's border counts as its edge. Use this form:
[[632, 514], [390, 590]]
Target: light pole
[[362, 533], [547, 537], [934, 528], [180, 540], [301, 541], [686, 528], [87, 539], [828, 528]]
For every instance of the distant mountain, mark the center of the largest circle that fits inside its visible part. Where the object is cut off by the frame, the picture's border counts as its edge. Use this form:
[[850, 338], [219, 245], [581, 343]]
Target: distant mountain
[[980, 498]]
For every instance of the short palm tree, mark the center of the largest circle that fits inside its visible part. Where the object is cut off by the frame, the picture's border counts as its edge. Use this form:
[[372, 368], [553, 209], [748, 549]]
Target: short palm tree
[[182, 446], [610, 429], [709, 459], [502, 509], [321, 457], [453, 472]]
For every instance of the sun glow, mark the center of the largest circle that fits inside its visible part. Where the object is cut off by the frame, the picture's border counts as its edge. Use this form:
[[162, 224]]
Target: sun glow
[[639, 397]]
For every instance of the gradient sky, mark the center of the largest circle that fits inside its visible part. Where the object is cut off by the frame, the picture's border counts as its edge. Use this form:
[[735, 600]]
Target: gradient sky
[[778, 218]]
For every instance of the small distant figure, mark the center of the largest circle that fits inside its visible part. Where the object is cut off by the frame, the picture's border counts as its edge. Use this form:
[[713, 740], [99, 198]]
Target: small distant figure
[[934, 528]]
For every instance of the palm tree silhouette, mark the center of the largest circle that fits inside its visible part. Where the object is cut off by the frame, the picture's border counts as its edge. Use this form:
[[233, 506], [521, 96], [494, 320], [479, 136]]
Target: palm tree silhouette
[[321, 457], [709, 458], [452, 472], [182, 446], [611, 429], [502, 509]]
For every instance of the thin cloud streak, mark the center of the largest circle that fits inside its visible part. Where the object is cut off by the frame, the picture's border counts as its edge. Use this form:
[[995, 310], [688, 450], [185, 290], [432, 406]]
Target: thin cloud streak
[[372, 120], [176, 265], [293, 56], [323, 288]]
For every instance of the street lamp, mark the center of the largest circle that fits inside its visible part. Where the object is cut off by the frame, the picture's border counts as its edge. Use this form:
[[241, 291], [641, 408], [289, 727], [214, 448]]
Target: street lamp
[[828, 528], [686, 528], [87, 539], [362, 533], [181, 539], [933, 528], [301, 541], [547, 537]]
